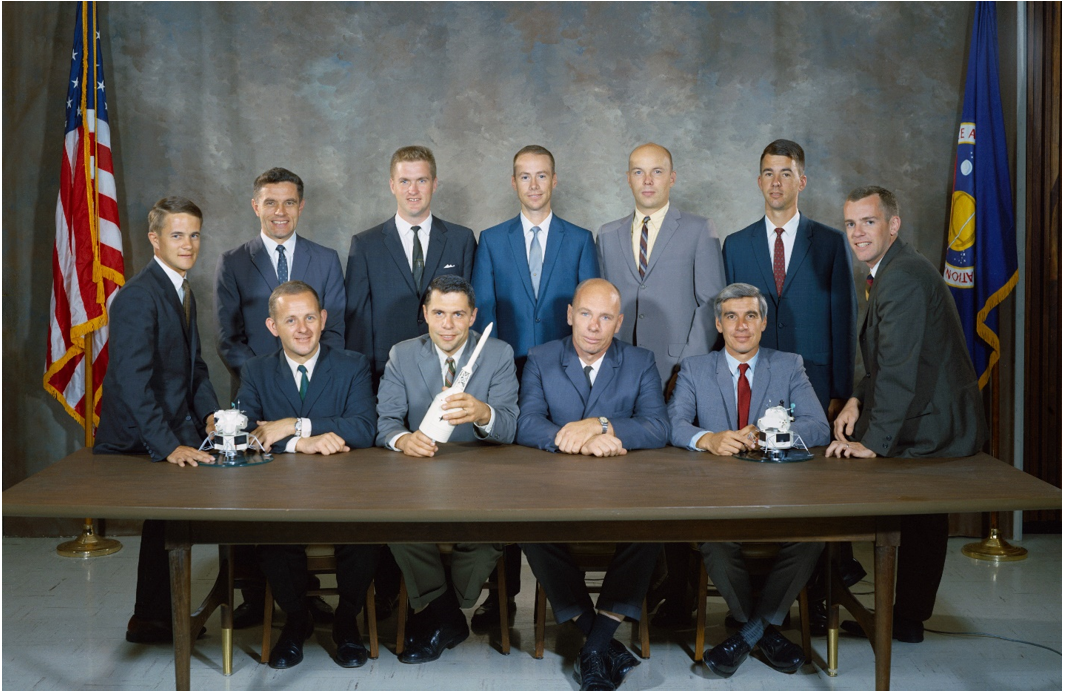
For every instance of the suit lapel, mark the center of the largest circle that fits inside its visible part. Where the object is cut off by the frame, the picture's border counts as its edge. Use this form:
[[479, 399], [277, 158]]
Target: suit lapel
[[671, 222], [429, 366], [725, 386], [288, 383], [263, 263], [759, 402], [468, 350], [321, 375], [438, 239], [574, 370], [516, 239], [556, 238], [800, 249], [761, 252], [612, 360], [301, 260], [625, 237], [391, 236]]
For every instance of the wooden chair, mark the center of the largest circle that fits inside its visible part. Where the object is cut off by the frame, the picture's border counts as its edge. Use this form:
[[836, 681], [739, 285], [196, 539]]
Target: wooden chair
[[321, 560], [760, 558], [590, 557], [501, 591]]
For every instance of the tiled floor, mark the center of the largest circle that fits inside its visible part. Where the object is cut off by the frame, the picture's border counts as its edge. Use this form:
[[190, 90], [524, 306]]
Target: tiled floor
[[64, 622]]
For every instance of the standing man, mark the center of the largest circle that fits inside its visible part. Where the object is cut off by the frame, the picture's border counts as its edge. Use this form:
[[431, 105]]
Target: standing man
[[244, 279], [803, 269], [307, 397], [718, 398], [525, 272], [246, 275], [158, 398], [919, 396], [390, 265], [667, 265], [569, 387], [417, 370]]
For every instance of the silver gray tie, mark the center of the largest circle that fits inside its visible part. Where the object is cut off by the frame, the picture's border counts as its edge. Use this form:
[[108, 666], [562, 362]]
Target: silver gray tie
[[536, 259]]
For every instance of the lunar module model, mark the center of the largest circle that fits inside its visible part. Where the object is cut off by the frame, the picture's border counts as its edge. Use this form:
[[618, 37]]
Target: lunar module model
[[777, 441], [230, 444]]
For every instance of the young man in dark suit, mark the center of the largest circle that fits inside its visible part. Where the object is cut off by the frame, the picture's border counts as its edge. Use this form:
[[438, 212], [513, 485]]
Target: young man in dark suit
[[919, 396], [593, 394], [525, 272], [390, 265], [158, 399], [310, 398]]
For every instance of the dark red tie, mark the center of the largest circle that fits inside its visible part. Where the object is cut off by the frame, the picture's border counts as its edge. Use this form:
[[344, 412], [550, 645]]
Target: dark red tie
[[743, 397], [869, 285], [779, 261]]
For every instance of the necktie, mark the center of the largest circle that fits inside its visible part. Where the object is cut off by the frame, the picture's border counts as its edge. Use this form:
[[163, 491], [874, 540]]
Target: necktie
[[303, 381], [743, 397], [451, 372], [283, 265], [186, 300], [869, 285], [536, 259], [644, 247], [418, 262], [588, 375], [779, 261]]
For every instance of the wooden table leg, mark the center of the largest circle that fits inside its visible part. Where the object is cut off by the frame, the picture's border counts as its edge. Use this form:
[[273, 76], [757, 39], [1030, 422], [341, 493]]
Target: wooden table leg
[[180, 554], [832, 612], [225, 554], [884, 593]]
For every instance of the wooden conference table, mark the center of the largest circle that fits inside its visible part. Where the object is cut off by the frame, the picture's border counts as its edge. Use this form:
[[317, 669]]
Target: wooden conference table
[[477, 493]]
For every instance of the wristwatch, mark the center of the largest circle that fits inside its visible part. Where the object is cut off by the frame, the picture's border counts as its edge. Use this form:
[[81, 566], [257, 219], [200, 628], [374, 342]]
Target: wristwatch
[[299, 427], [603, 424]]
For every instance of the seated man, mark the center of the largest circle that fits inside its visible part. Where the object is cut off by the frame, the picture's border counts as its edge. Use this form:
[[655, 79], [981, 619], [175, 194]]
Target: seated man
[[309, 398], [716, 396], [592, 394], [157, 395], [417, 370]]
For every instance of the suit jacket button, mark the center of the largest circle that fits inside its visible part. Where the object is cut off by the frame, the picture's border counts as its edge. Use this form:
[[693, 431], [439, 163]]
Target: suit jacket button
[[642, 317], [538, 320], [188, 417], [780, 325], [642, 287]]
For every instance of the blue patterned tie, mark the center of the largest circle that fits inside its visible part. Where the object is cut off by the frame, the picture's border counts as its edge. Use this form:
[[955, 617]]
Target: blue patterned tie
[[283, 265]]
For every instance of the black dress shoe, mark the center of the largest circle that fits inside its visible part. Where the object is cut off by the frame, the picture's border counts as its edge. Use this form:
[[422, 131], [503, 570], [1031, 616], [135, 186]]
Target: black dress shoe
[[592, 670], [725, 658], [619, 662], [289, 650], [903, 630], [247, 615], [780, 653], [487, 615], [427, 643], [350, 650], [140, 631]]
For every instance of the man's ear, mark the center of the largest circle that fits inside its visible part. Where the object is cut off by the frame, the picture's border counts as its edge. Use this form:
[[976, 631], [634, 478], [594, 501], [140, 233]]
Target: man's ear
[[272, 327]]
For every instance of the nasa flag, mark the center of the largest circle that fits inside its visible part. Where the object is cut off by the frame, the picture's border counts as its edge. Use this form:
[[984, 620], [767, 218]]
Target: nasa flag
[[981, 267]]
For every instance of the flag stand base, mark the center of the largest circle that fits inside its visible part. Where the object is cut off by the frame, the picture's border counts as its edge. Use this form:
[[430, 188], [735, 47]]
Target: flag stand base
[[88, 544], [994, 549]]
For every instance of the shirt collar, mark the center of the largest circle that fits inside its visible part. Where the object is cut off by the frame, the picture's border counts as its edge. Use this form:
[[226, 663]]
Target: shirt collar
[[528, 225], [873, 269], [271, 246], [734, 364], [175, 278], [310, 364], [405, 228], [443, 357], [656, 216], [791, 227]]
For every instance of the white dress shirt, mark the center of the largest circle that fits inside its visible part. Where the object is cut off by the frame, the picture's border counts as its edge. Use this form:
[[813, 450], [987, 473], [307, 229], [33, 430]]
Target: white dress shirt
[[788, 237], [542, 234], [271, 246], [305, 428], [175, 278], [407, 237], [734, 371]]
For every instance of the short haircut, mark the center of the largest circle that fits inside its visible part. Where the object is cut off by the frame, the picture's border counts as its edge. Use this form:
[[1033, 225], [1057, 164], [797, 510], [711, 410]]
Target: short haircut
[[157, 216], [450, 283], [784, 147], [536, 150], [291, 288], [412, 154], [738, 290], [278, 175], [889, 203]]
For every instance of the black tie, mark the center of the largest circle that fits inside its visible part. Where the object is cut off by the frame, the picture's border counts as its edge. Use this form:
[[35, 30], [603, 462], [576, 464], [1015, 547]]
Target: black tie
[[588, 375], [186, 300], [303, 381], [418, 262]]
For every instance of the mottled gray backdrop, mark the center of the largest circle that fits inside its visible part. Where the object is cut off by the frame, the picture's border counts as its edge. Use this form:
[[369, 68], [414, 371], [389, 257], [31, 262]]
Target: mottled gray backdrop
[[204, 96]]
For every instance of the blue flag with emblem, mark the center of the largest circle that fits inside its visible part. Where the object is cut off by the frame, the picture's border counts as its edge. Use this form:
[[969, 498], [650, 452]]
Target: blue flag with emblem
[[981, 266]]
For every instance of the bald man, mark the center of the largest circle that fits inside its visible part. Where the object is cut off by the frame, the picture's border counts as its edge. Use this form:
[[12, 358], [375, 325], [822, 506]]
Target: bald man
[[592, 394]]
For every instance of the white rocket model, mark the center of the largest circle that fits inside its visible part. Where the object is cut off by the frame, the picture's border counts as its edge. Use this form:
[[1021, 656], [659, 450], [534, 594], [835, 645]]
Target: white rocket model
[[433, 424]]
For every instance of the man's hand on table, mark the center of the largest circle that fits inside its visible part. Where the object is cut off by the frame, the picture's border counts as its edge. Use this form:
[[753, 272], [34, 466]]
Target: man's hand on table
[[188, 455], [324, 444], [572, 437], [270, 431], [603, 446], [416, 444], [730, 442], [856, 450]]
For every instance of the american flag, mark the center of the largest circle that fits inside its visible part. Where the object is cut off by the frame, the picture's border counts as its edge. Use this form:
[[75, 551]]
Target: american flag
[[87, 266]]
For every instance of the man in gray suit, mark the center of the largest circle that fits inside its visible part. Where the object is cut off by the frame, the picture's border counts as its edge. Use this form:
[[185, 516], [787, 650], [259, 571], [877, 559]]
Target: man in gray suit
[[417, 370], [919, 396], [718, 397], [666, 263]]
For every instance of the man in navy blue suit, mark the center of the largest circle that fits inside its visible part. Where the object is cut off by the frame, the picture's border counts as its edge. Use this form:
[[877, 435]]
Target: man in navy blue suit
[[158, 398], [596, 395], [246, 275], [309, 398], [391, 264], [803, 268], [525, 272]]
